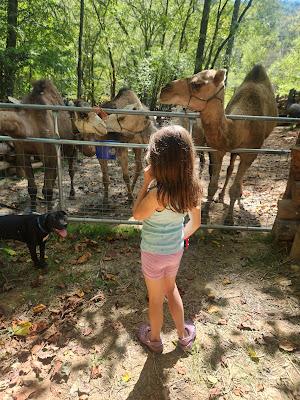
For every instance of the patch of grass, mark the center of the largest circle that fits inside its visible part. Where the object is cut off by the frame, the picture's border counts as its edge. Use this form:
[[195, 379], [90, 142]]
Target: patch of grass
[[104, 231]]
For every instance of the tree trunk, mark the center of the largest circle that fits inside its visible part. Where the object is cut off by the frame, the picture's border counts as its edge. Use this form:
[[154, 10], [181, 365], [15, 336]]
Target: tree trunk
[[79, 62], [8, 61], [112, 74], [231, 34], [163, 38], [202, 36], [233, 27]]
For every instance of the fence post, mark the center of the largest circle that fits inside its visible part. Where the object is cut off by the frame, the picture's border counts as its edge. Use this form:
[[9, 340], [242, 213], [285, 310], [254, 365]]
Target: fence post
[[287, 223], [59, 162]]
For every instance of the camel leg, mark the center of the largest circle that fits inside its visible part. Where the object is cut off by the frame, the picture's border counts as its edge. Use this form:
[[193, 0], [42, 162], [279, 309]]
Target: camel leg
[[235, 190], [122, 154], [138, 166], [215, 164], [49, 180], [228, 175], [71, 160], [32, 188], [105, 178]]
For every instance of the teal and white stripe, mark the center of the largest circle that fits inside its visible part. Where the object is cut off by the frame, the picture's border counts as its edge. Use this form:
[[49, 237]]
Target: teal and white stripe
[[162, 232]]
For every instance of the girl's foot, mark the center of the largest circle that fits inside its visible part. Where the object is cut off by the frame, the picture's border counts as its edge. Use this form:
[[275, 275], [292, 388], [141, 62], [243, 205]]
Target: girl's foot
[[186, 343], [144, 337]]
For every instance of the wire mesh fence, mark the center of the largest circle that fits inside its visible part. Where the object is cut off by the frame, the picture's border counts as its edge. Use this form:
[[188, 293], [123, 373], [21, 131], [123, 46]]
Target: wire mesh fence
[[263, 183]]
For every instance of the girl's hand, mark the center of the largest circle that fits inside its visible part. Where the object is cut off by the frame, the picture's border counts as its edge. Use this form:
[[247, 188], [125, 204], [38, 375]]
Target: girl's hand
[[148, 176]]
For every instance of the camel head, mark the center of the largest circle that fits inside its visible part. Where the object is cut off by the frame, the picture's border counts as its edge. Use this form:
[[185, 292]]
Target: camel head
[[89, 124], [196, 91], [125, 123], [13, 123]]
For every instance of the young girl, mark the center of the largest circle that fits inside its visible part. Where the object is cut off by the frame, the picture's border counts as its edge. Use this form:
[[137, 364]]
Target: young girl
[[170, 190]]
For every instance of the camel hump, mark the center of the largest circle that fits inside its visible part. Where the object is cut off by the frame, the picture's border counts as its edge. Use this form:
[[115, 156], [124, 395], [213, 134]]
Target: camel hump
[[257, 74], [44, 92]]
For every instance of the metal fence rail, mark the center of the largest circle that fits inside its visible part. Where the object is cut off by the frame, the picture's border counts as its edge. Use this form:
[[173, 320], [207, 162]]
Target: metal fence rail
[[58, 142]]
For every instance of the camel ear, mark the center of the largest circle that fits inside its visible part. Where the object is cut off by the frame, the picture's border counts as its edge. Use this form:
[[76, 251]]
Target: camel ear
[[220, 77], [13, 100]]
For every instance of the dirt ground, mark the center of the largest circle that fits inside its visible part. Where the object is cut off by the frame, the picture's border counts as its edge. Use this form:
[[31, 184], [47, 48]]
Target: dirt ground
[[264, 183], [70, 332]]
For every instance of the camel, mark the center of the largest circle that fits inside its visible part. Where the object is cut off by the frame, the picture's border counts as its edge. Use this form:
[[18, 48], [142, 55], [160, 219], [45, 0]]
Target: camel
[[131, 129], [120, 128], [197, 131], [204, 92], [292, 107], [39, 123]]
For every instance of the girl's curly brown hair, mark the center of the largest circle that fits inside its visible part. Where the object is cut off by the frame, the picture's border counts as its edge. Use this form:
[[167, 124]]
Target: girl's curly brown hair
[[172, 157]]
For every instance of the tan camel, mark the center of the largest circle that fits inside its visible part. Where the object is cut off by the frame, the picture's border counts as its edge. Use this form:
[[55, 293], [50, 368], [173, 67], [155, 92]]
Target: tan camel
[[131, 129], [204, 92], [39, 123], [120, 128]]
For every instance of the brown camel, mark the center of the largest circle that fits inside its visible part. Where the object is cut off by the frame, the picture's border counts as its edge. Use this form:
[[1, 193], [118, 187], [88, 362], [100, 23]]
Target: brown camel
[[197, 130], [121, 128], [204, 92], [131, 129], [39, 123]]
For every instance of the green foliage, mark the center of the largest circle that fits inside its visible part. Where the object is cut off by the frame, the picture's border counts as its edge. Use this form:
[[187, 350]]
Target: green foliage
[[147, 43]]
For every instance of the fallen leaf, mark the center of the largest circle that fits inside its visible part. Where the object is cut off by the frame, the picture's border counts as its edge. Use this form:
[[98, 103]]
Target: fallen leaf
[[213, 309], [214, 393], [260, 387], [212, 379], [80, 293], [21, 328], [96, 372], [286, 345], [86, 331], [126, 377], [252, 354], [39, 326], [237, 391], [39, 308], [246, 326], [52, 331], [283, 281], [24, 393], [61, 371], [226, 281], [181, 370], [82, 259]]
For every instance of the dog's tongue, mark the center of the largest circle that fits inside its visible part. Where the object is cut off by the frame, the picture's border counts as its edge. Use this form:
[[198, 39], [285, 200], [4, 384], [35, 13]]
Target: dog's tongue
[[61, 232]]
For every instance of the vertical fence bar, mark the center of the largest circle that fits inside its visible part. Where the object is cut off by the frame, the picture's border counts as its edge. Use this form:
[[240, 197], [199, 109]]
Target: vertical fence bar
[[59, 162]]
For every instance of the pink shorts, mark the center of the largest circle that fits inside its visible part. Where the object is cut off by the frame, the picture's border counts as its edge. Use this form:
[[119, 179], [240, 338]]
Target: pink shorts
[[158, 266]]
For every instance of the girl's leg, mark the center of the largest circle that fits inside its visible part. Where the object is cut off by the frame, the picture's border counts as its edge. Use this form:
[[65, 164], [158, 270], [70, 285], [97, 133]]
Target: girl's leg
[[175, 304], [156, 294]]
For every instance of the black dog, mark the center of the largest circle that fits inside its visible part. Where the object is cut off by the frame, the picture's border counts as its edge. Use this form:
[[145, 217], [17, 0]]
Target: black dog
[[34, 230]]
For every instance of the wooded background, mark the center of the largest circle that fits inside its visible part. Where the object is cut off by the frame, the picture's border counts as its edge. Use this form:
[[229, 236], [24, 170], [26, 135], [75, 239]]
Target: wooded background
[[91, 48]]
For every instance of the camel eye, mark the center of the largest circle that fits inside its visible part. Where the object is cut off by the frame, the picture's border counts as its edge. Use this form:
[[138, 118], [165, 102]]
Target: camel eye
[[196, 85]]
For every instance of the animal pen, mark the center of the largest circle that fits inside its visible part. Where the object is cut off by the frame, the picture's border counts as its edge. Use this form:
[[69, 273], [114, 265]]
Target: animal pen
[[265, 181]]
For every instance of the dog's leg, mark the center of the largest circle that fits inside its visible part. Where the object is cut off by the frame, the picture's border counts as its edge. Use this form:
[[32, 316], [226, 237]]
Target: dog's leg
[[34, 257], [42, 262]]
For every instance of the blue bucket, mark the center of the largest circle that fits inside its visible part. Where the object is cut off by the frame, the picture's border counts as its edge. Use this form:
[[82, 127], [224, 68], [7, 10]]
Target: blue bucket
[[105, 152]]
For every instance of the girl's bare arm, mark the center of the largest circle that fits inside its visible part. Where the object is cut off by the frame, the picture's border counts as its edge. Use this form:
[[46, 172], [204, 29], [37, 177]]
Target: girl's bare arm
[[194, 222], [146, 201]]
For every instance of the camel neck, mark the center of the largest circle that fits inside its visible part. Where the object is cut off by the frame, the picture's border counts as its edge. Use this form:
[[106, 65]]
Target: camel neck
[[215, 125]]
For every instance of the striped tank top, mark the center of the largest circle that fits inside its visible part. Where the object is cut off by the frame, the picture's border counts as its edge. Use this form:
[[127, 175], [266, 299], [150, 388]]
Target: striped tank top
[[162, 232]]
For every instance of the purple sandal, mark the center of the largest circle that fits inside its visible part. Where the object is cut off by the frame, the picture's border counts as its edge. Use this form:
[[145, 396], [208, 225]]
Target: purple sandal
[[143, 336], [186, 343]]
